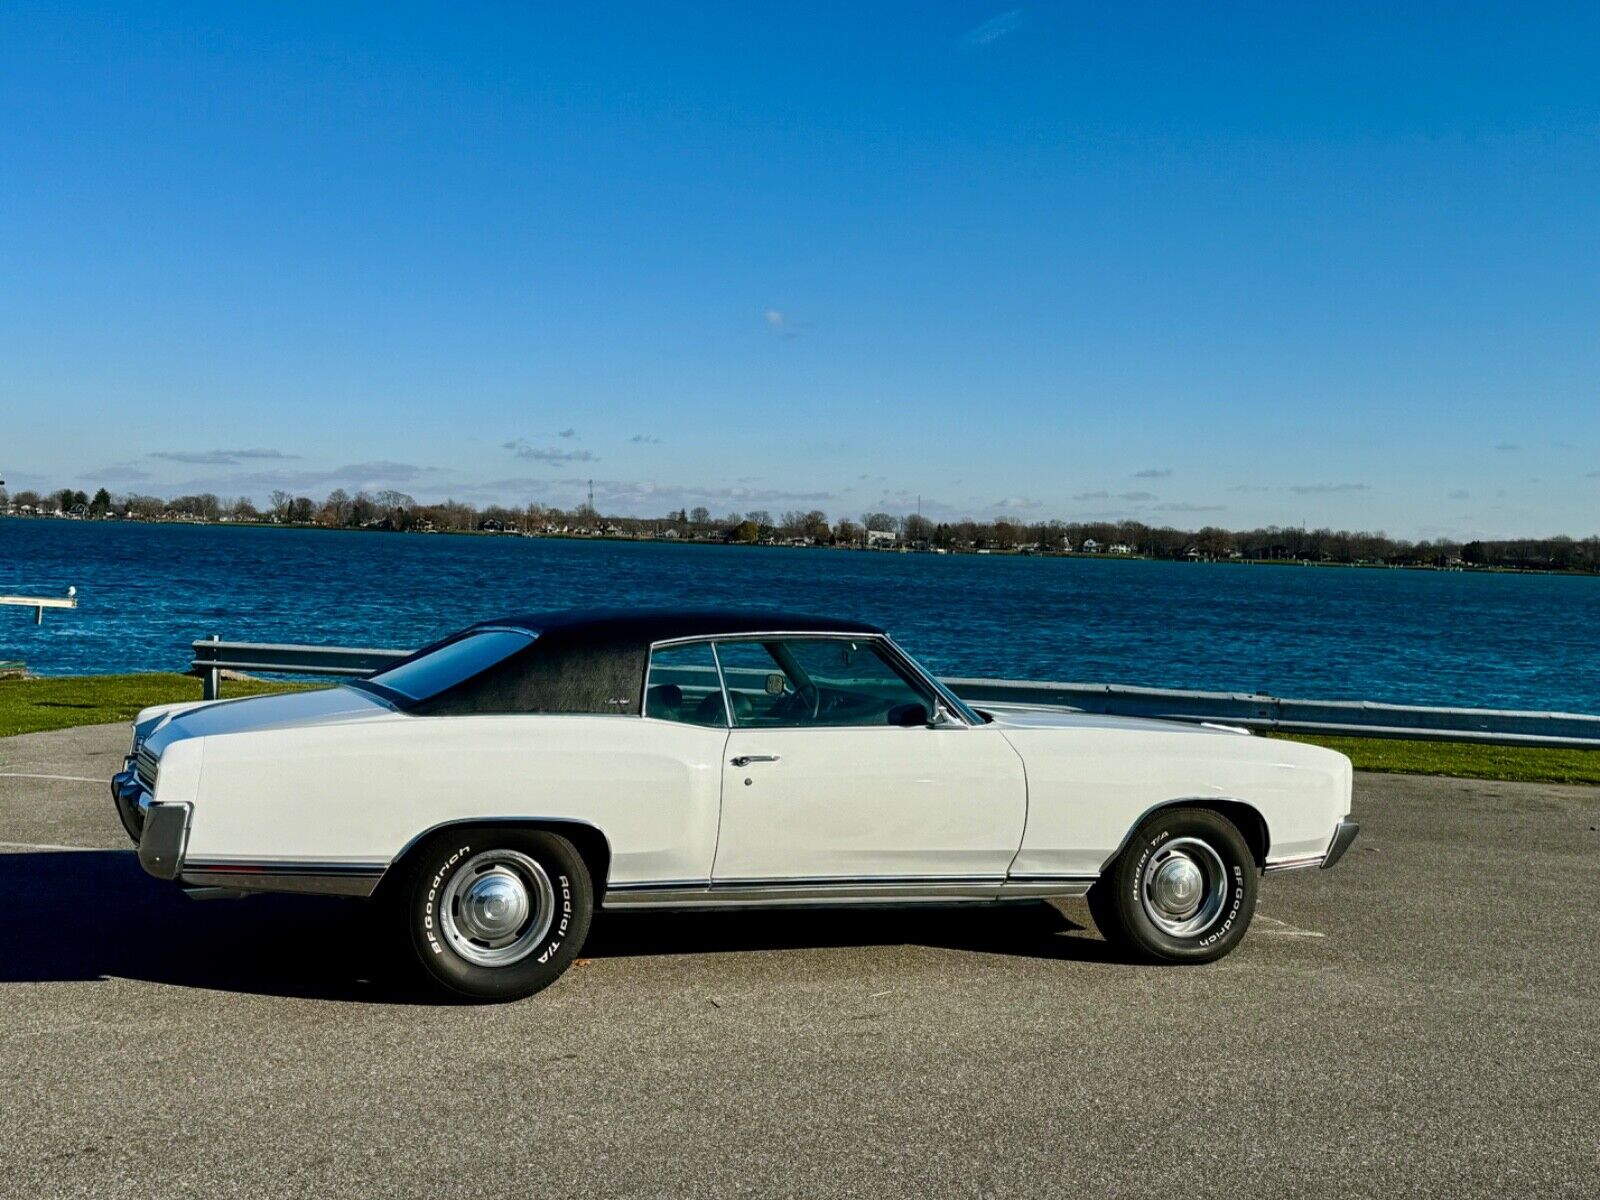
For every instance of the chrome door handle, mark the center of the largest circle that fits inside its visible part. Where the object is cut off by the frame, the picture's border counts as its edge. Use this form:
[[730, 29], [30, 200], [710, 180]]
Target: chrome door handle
[[744, 760]]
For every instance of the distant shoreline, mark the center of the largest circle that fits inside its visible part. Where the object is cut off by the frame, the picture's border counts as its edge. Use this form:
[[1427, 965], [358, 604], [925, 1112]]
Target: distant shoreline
[[778, 544]]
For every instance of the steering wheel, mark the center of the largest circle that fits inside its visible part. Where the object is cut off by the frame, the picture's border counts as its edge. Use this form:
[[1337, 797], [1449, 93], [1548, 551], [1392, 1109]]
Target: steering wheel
[[805, 702], [811, 694]]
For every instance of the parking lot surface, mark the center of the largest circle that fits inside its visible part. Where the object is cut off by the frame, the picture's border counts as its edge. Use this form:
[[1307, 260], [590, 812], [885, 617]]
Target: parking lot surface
[[1423, 1020]]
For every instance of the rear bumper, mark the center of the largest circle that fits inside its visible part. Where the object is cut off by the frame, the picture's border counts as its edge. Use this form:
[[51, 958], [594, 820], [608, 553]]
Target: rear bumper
[[1342, 837], [1343, 834]]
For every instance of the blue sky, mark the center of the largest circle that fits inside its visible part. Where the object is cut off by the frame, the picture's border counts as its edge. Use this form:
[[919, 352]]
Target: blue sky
[[1186, 263]]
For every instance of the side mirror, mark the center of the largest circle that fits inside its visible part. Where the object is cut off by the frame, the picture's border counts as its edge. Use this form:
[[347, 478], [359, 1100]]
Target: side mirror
[[942, 716], [909, 716]]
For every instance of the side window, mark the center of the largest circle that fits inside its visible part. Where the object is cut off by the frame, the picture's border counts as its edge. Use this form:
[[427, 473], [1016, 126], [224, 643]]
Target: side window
[[760, 691], [682, 686], [817, 682]]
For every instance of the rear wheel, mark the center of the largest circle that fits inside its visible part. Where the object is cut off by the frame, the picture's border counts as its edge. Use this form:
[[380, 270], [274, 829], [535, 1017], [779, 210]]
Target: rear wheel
[[495, 914], [1183, 890]]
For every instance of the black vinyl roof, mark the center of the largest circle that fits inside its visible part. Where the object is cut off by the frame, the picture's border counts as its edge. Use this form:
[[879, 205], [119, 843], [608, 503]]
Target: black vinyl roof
[[588, 660], [646, 625]]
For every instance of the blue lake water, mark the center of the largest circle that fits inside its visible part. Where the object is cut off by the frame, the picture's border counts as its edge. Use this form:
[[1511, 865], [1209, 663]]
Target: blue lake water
[[146, 591]]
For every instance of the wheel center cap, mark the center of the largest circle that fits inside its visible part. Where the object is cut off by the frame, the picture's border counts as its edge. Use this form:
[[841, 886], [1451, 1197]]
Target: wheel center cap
[[1177, 885], [494, 906]]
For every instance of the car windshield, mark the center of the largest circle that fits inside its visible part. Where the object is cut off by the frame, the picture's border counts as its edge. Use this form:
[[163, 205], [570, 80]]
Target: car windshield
[[454, 662]]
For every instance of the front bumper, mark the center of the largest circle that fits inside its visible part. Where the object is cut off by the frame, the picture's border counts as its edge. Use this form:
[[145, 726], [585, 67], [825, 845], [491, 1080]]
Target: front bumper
[[131, 799], [161, 831]]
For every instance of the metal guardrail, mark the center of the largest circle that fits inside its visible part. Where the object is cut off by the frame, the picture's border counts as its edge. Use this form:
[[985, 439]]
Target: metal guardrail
[[213, 656], [1270, 714]]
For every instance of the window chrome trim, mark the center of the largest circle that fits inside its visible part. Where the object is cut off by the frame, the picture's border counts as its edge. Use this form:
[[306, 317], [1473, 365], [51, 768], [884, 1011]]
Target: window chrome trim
[[722, 682], [960, 707], [716, 662]]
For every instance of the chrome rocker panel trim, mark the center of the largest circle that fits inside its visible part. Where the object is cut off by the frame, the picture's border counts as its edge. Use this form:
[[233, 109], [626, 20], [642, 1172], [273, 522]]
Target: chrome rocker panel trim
[[774, 893], [358, 879], [1343, 835]]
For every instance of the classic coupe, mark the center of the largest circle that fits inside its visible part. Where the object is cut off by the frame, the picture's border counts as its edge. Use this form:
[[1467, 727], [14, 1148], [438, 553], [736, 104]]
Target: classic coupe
[[491, 790]]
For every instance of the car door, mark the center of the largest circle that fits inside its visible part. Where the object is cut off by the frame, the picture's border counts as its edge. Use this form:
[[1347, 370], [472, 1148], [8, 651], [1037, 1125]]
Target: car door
[[833, 773]]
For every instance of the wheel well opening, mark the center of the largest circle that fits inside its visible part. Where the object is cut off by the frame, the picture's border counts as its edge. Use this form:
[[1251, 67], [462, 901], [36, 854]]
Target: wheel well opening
[[588, 841], [1247, 821]]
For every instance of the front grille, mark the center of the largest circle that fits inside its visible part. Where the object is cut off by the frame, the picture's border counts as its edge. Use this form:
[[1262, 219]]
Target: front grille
[[146, 766]]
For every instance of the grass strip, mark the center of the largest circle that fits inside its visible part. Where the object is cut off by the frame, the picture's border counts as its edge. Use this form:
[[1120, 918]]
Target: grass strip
[[1464, 760], [62, 701]]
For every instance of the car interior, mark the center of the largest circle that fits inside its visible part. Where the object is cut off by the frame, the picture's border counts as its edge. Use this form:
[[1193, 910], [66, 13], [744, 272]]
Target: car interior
[[794, 682]]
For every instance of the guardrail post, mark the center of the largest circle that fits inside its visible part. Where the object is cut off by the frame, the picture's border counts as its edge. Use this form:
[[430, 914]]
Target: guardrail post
[[211, 681]]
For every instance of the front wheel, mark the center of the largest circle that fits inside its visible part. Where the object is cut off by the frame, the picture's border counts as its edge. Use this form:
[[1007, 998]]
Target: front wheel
[[1183, 891], [495, 914]]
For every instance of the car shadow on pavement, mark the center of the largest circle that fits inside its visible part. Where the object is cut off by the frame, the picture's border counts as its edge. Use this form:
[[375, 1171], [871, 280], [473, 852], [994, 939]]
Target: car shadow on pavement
[[94, 914], [1025, 930]]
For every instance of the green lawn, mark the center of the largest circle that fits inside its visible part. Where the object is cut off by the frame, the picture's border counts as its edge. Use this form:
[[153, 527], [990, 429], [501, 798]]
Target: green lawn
[[31, 705], [59, 702], [1465, 760]]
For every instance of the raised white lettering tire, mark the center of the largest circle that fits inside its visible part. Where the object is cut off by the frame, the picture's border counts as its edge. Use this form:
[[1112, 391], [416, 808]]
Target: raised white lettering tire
[[1182, 891], [492, 913]]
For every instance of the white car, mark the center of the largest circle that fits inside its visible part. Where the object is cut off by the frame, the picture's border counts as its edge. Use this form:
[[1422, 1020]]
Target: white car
[[496, 787]]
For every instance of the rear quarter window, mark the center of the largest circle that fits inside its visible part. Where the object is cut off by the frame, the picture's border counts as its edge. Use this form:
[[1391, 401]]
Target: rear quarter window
[[453, 663]]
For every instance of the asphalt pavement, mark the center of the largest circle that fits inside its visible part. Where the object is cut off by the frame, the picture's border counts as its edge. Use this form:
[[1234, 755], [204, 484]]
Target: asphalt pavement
[[1423, 1020]]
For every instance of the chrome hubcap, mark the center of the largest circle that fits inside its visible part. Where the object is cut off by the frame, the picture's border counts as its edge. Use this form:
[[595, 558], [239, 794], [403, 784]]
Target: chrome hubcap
[[496, 908], [1184, 887], [1177, 886], [493, 905]]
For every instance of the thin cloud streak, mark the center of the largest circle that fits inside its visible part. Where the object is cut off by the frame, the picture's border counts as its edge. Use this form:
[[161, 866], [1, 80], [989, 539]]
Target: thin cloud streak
[[1328, 489], [992, 30], [218, 458], [522, 448]]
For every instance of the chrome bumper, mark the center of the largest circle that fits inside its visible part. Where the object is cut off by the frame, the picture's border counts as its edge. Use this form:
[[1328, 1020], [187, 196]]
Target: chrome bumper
[[161, 831], [1343, 834], [131, 799], [166, 831], [1342, 837]]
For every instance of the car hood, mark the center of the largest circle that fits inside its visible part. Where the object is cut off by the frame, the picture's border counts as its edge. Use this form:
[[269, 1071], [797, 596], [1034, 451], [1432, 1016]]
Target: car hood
[[159, 727], [1018, 716]]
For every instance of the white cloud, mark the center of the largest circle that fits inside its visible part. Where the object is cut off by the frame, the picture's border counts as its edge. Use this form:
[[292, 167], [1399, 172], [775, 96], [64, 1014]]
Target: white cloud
[[1328, 489], [523, 448], [992, 30], [218, 457]]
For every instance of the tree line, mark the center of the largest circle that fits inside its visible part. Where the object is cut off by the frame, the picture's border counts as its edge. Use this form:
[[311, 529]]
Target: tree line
[[399, 512]]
